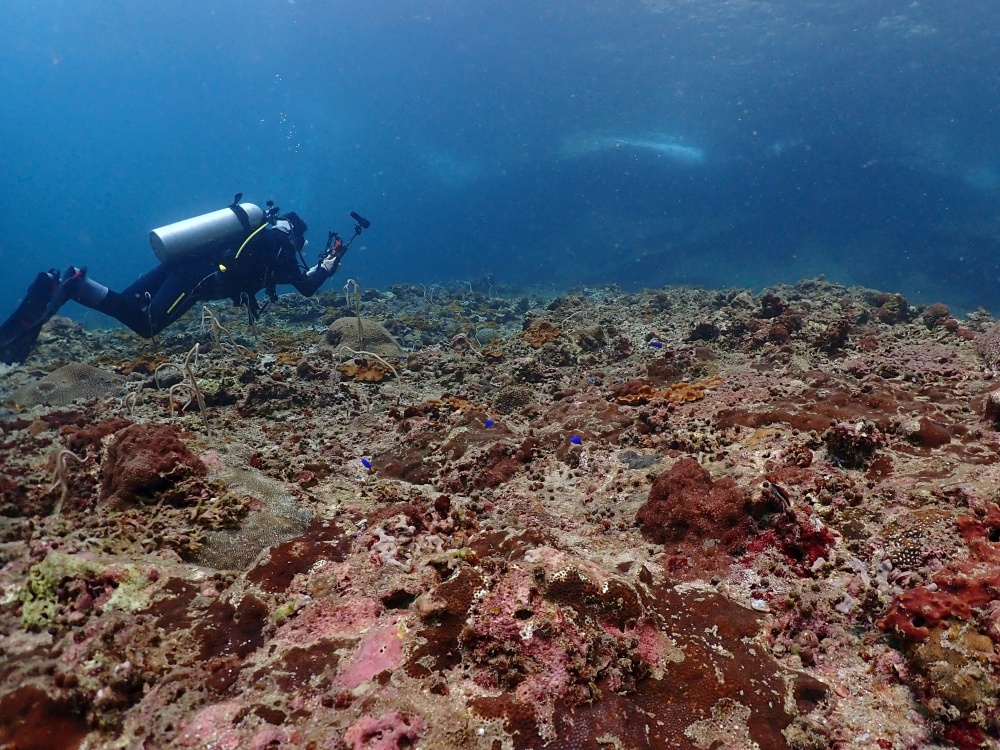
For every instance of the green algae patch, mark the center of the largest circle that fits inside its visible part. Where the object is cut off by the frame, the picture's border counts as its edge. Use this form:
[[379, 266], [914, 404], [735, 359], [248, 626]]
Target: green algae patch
[[283, 612], [62, 584]]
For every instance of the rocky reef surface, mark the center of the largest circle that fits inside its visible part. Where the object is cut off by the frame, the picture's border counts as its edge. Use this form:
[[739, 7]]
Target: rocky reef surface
[[478, 517]]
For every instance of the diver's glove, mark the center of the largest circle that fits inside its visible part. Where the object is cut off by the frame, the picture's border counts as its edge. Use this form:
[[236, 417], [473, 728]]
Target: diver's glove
[[330, 261], [329, 264]]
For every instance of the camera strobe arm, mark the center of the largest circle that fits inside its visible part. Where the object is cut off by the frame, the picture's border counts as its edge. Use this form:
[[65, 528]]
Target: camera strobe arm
[[335, 248]]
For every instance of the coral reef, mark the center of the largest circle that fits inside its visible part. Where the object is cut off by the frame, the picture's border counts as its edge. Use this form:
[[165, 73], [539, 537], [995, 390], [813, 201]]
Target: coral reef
[[505, 520]]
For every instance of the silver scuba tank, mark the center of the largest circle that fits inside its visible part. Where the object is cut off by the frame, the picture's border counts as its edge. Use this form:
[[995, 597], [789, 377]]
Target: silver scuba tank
[[206, 231]]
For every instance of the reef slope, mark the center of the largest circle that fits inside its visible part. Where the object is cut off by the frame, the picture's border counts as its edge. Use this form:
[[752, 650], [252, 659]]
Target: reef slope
[[491, 518]]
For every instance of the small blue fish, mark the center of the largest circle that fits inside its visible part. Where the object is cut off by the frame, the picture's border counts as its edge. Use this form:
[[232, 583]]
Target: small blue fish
[[656, 344], [366, 463], [489, 423], [576, 440]]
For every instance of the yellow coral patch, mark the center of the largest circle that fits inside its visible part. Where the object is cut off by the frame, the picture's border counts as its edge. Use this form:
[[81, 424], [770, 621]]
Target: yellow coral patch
[[540, 333], [676, 393]]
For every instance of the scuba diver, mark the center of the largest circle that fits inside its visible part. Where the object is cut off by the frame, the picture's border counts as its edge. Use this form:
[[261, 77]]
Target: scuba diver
[[231, 253]]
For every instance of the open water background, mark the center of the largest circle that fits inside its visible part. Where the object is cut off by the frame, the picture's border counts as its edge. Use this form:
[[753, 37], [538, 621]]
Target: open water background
[[556, 142]]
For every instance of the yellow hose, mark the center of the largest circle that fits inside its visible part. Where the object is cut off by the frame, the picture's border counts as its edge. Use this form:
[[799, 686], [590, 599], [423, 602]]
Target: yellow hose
[[252, 235]]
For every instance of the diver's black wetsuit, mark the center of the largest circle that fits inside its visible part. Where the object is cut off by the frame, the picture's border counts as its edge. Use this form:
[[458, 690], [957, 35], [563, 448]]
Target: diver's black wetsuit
[[158, 298], [270, 257]]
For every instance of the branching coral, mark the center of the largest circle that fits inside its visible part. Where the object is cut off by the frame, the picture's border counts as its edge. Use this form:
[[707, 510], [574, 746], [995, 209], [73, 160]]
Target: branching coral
[[388, 546]]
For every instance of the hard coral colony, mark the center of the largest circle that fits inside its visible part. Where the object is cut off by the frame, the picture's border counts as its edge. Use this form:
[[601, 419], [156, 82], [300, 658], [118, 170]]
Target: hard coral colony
[[678, 518]]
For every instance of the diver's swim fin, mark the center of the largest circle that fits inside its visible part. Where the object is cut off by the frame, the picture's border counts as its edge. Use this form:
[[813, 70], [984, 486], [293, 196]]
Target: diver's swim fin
[[19, 332]]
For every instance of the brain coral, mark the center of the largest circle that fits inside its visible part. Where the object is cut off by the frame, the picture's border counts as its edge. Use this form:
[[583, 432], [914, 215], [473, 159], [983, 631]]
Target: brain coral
[[512, 398], [278, 518], [66, 384], [372, 337]]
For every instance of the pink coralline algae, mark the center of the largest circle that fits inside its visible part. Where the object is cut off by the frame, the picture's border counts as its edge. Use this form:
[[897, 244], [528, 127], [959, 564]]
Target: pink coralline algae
[[381, 649], [948, 629], [328, 620], [391, 731], [578, 652], [213, 727], [957, 590]]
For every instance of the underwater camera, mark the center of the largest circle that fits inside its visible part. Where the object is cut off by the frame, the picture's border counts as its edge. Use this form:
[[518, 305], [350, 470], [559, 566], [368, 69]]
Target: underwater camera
[[334, 245]]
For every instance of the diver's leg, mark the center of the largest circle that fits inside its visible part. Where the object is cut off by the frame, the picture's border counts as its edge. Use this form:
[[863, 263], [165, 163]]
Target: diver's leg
[[127, 307], [44, 298], [159, 297], [131, 306], [79, 287], [179, 291]]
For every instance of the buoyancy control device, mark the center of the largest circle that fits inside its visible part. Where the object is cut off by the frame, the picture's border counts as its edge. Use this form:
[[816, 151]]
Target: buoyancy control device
[[230, 225]]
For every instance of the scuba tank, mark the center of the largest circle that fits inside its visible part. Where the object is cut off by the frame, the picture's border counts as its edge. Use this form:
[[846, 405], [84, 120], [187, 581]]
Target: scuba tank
[[232, 224]]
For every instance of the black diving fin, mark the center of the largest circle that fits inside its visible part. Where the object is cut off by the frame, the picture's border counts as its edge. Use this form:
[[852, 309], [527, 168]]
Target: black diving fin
[[19, 332]]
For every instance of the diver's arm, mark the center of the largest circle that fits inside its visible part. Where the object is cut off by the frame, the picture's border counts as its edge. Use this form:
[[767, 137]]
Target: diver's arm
[[327, 266], [311, 280]]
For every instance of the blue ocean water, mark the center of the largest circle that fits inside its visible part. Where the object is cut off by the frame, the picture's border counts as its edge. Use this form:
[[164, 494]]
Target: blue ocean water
[[564, 142]]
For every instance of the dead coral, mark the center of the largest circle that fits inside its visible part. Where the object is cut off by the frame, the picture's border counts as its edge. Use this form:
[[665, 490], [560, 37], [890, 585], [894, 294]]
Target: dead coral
[[589, 338], [365, 371], [890, 308], [494, 351], [853, 445]]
